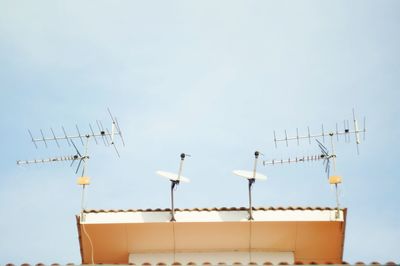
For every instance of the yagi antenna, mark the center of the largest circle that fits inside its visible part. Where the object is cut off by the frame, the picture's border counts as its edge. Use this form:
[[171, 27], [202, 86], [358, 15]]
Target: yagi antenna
[[299, 159], [77, 157], [175, 180], [105, 134], [326, 156], [346, 132], [251, 176], [101, 132]]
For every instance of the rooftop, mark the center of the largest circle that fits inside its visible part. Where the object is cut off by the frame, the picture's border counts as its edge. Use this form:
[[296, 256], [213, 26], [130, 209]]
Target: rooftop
[[276, 235]]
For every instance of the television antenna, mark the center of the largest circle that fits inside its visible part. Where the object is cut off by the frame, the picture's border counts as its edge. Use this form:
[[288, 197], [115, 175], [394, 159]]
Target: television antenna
[[175, 180], [251, 176], [326, 156], [108, 137], [77, 157], [346, 132]]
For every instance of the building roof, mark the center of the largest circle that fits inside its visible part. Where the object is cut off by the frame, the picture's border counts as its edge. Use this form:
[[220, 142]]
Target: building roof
[[314, 235]]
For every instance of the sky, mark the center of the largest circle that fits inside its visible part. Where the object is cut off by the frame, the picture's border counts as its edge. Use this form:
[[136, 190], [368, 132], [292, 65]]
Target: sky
[[213, 79]]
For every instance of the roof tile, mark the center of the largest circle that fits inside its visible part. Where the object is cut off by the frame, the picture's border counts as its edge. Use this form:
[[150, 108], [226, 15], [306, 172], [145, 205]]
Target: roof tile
[[390, 263], [289, 208]]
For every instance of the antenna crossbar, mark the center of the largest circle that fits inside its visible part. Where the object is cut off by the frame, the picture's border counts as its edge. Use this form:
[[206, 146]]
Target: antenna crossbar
[[311, 136], [346, 132], [77, 136], [53, 159], [295, 160]]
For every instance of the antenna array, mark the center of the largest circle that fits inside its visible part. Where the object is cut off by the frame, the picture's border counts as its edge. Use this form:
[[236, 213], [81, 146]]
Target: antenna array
[[106, 135], [325, 155], [310, 158], [346, 132]]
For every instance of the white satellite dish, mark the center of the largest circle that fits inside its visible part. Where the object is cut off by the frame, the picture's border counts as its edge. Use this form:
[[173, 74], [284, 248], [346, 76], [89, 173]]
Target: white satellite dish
[[175, 180], [173, 177], [250, 175]]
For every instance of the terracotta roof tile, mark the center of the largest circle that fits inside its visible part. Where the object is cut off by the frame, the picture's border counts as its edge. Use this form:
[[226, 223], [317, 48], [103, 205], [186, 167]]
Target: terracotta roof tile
[[289, 208], [390, 263]]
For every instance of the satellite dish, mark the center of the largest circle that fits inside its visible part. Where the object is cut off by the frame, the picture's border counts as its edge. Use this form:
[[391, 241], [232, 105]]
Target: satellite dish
[[175, 180], [173, 177], [250, 175]]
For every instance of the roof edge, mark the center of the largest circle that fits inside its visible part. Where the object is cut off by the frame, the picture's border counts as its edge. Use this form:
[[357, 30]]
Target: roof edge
[[290, 208]]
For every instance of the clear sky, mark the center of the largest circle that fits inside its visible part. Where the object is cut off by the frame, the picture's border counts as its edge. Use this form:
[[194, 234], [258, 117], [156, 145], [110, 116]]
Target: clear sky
[[209, 78]]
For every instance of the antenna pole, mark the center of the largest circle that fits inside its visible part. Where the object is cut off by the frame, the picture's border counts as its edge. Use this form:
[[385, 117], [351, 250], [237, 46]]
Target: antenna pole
[[337, 202], [83, 198], [251, 182], [333, 154], [181, 165], [85, 156], [256, 154], [174, 183]]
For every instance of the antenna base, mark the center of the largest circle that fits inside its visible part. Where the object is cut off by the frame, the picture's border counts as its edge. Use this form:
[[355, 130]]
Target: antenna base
[[335, 179], [83, 180]]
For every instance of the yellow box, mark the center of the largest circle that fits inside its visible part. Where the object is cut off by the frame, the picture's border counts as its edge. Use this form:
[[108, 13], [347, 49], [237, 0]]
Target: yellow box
[[335, 179], [83, 180]]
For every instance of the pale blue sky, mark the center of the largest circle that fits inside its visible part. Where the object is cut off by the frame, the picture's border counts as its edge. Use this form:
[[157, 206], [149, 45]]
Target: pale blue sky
[[210, 78]]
